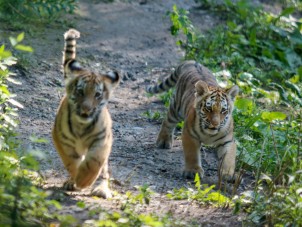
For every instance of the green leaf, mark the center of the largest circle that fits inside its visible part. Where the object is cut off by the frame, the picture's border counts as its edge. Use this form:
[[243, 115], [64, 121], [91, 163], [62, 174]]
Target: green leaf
[[81, 204], [287, 11], [16, 103], [24, 48], [272, 116], [20, 37], [13, 41], [299, 70], [245, 105]]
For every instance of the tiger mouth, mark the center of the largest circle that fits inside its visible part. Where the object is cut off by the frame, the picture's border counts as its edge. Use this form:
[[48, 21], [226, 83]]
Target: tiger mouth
[[84, 115]]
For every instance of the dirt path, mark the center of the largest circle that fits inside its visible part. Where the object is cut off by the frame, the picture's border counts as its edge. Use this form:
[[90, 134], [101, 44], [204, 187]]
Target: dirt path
[[135, 38]]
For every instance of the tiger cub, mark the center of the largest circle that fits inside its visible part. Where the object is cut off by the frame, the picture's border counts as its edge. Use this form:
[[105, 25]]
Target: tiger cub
[[206, 110], [82, 132]]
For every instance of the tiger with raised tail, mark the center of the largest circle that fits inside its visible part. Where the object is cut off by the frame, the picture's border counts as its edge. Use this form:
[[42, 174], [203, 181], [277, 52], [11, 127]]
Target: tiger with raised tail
[[206, 110], [82, 132]]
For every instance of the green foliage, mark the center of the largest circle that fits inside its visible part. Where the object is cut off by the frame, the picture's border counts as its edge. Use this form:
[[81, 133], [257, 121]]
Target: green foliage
[[252, 41], [130, 218], [276, 205], [143, 197], [37, 9], [154, 116], [267, 141], [202, 194], [128, 215], [22, 202]]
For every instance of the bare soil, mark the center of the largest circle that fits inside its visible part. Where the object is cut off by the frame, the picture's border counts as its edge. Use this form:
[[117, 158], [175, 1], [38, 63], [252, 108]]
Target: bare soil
[[131, 36]]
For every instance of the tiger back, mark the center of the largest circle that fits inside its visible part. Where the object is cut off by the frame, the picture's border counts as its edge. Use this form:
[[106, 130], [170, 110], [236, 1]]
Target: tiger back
[[82, 132], [206, 110]]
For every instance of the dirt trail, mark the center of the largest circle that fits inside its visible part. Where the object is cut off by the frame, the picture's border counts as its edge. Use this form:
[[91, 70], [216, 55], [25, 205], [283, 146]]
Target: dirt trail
[[134, 38]]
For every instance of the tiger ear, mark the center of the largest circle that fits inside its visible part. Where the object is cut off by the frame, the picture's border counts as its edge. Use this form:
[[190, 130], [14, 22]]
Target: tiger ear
[[201, 88], [72, 68], [112, 78], [233, 91]]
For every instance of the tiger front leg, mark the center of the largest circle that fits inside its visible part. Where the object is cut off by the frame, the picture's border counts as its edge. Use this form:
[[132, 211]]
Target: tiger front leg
[[191, 149], [71, 161], [227, 161], [103, 190], [90, 169]]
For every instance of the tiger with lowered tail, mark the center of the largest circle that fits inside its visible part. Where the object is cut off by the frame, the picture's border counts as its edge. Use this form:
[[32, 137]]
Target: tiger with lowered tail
[[206, 110], [82, 132]]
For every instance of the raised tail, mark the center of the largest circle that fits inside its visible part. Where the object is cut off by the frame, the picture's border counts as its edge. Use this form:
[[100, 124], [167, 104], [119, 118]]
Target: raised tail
[[70, 38], [168, 83], [69, 54]]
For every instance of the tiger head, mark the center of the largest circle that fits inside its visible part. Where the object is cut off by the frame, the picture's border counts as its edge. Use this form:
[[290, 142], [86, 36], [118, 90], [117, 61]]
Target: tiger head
[[88, 92], [214, 106]]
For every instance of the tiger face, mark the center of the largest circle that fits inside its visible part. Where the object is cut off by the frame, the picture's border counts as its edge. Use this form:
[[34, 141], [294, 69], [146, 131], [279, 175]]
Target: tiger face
[[214, 106], [89, 93]]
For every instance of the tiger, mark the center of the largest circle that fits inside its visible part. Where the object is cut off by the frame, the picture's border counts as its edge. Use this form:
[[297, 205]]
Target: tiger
[[206, 110], [82, 131]]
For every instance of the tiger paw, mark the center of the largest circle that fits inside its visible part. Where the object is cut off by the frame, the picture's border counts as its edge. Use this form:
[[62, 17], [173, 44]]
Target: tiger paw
[[69, 185], [230, 178], [190, 173], [164, 143], [102, 191]]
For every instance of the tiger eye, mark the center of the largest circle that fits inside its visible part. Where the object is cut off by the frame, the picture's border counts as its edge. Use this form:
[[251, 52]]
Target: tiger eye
[[98, 95]]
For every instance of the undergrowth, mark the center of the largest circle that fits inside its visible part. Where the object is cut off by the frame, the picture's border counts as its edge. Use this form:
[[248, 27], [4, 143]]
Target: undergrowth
[[31, 10]]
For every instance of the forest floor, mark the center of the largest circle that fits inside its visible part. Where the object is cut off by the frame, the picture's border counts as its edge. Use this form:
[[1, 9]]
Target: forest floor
[[134, 37]]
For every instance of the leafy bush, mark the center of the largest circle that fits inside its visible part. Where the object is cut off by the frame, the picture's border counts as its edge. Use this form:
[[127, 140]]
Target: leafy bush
[[259, 48], [21, 202], [31, 10]]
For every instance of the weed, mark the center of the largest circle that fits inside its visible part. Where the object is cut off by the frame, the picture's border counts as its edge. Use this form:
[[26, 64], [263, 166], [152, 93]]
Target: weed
[[202, 194], [154, 116]]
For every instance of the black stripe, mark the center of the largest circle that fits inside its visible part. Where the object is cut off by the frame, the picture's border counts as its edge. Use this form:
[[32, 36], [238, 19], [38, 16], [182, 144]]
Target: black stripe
[[100, 133], [173, 77], [69, 39], [87, 165], [96, 160], [69, 52], [168, 82], [67, 138], [66, 144], [225, 143], [220, 138], [161, 87], [196, 136], [69, 121], [91, 126], [100, 138], [69, 46], [74, 155]]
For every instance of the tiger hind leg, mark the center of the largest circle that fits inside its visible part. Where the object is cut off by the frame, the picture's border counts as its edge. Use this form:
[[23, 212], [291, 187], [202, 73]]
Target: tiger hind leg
[[165, 136]]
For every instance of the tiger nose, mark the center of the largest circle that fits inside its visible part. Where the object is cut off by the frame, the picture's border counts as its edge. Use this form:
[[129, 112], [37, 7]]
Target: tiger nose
[[215, 122], [86, 109]]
